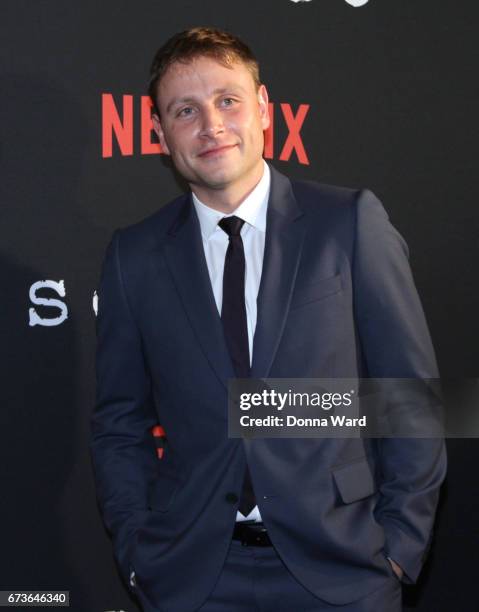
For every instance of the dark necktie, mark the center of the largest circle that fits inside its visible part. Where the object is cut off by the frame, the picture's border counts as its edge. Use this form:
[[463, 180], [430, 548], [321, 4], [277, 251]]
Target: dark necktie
[[233, 317]]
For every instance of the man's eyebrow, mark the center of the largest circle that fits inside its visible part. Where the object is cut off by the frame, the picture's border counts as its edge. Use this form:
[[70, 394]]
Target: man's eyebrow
[[233, 88]]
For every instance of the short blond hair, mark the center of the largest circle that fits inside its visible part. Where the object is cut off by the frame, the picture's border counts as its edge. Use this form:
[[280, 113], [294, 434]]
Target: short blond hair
[[224, 47]]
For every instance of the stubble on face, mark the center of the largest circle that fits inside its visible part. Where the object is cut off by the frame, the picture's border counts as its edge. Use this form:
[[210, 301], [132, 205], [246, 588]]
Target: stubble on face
[[212, 123]]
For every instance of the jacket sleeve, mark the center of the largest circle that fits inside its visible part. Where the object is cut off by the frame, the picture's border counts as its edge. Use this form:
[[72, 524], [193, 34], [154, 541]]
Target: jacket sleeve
[[122, 446], [395, 343]]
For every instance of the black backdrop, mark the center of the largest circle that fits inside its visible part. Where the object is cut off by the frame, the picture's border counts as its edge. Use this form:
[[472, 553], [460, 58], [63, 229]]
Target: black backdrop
[[390, 89]]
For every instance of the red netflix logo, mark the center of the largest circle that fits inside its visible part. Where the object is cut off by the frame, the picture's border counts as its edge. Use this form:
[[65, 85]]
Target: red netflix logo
[[118, 124]]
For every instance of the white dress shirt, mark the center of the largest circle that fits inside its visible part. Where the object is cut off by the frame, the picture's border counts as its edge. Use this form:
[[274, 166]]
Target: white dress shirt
[[215, 243]]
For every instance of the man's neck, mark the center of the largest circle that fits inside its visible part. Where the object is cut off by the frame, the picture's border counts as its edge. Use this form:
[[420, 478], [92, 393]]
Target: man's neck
[[227, 200]]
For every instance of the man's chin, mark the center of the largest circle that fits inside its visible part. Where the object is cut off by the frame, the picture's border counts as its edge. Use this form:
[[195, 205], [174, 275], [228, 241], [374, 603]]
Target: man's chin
[[216, 180]]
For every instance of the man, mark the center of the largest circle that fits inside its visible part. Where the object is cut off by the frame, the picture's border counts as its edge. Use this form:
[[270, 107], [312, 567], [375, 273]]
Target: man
[[253, 275]]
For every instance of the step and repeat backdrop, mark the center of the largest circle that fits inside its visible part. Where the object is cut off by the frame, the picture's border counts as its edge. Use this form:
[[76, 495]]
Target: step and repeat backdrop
[[378, 94]]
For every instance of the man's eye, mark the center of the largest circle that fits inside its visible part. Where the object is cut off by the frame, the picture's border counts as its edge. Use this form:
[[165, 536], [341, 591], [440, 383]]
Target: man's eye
[[228, 101], [185, 112]]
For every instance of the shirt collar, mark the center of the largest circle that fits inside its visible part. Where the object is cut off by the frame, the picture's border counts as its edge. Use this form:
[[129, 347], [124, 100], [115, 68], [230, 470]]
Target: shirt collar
[[252, 210]]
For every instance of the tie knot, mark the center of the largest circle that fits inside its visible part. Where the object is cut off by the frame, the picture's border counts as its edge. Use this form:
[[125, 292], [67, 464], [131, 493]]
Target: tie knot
[[231, 225]]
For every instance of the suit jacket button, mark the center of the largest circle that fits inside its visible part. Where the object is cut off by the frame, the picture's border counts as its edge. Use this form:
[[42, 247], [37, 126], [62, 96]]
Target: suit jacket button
[[232, 498]]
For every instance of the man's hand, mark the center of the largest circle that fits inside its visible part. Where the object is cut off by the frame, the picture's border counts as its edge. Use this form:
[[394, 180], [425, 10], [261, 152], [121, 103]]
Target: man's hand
[[396, 568]]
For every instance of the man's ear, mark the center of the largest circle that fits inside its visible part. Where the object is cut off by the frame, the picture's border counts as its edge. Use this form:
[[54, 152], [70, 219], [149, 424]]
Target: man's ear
[[263, 100], [159, 132]]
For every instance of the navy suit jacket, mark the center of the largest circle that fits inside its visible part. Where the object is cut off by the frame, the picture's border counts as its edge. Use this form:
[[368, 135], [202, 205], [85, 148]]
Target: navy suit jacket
[[336, 299]]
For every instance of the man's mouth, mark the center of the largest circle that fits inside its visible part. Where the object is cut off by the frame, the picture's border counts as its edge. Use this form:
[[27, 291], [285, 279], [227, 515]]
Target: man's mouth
[[213, 151]]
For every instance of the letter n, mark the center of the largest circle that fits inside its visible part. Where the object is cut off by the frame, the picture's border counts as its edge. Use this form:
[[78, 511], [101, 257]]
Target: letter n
[[112, 124]]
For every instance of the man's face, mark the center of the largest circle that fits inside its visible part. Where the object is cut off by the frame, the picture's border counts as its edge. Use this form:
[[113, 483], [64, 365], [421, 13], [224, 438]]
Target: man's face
[[212, 122]]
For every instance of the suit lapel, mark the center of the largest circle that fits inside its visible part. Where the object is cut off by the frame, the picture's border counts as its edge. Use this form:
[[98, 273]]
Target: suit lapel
[[285, 230], [184, 254]]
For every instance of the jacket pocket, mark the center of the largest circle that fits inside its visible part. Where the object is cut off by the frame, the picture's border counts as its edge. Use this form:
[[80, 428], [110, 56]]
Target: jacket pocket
[[318, 290], [354, 481]]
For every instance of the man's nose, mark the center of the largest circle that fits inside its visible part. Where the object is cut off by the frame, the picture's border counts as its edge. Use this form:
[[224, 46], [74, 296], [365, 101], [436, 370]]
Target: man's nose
[[211, 122]]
